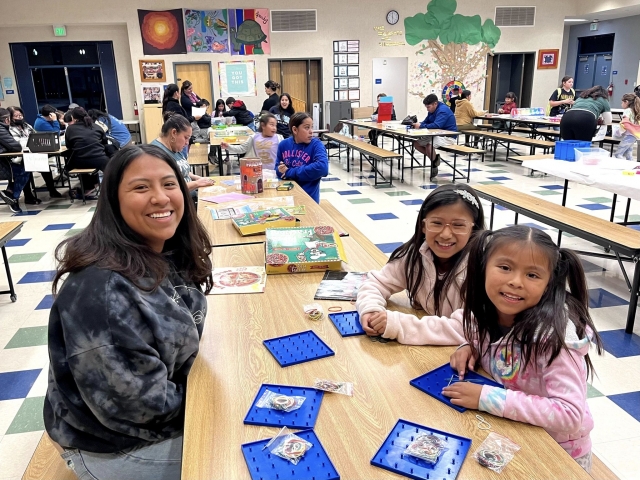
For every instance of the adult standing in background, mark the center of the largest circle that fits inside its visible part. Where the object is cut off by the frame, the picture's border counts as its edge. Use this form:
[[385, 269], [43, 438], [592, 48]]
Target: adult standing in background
[[270, 88], [170, 102], [562, 97], [189, 99], [588, 111]]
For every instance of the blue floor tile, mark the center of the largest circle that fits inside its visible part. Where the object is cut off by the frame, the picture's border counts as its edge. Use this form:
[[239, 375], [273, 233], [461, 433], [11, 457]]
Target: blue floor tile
[[45, 303], [429, 187], [532, 225], [497, 179], [500, 207], [412, 202], [17, 242], [594, 206], [330, 179], [629, 402], [59, 226], [620, 344], [26, 213], [38, 277], [388, 247], [357, 184], [552, 187], [349, 192], [382, 216], [600, 298], [445, 175], [17, 384]]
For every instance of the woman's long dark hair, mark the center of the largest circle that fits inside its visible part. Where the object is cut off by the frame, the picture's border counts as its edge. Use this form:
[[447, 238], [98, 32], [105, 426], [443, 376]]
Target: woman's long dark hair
[[169, 92], [595, 93], [109, 243], [289, 110], [80, 115], [186, 84], [97, 115], [540, 330], [414, 269]]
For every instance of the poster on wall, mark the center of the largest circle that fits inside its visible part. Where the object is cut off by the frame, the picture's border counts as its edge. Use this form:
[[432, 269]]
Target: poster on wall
[[152, 70], [249, 31], [152, 93], [207, 31], [162, 32], [237, 79]]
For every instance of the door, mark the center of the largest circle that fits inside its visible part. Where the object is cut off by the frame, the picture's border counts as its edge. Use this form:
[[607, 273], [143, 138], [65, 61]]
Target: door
[[511, 72], [390, 77], [199, 74], [302, 79], [602, 70], [584, 72]]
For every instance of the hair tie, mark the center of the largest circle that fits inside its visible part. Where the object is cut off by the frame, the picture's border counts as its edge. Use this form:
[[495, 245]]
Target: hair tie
[[468, 196]]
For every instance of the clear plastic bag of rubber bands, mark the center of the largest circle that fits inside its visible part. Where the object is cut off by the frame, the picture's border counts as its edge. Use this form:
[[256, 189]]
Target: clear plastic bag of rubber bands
[[427, 447], [278, 401], [496, 452], [344, 388], [314, 311], [289, 446]]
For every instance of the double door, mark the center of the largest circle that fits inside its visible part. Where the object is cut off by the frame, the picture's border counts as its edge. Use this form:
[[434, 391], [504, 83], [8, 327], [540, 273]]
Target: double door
[[302, 79], [592, 70]]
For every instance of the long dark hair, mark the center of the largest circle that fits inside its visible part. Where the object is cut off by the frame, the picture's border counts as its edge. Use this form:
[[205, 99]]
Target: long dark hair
[[595, 92], [414, 269], [101, 116], [109, 243], [220, 102], [271, 85], [512, 96], [289, 110], [186, 84], [169, 92], [540, 330], [79, 114]]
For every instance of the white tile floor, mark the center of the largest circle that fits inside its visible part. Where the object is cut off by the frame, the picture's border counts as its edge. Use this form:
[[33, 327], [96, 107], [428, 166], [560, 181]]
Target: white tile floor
[[616, 435]]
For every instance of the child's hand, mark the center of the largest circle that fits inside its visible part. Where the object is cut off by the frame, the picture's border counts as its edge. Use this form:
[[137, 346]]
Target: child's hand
[[368, 319], [282, 168], [378, 322], [462, 359], [224, 145], [464, 394], [500, 111]]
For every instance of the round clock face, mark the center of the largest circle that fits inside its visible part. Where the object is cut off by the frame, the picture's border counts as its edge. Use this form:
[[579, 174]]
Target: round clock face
[[392, 17]]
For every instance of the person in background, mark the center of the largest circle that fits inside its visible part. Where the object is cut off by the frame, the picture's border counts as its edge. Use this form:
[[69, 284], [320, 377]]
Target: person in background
[[63, 125], [631, 115], [526, 320], [112, 126], [170, 102], [205, 120], [374, 134], [18, 177], [431, 267], [302, 157], [455, 96], [262, 145], [562, 98], [189, 99], [174, 137], [221, 107], [465, 112], [581, 122], [229, 101], [270, 88], [86, 148], [239, 111], [283, 112], [510, 102], [125, 326], [47, 121], [440, 117]]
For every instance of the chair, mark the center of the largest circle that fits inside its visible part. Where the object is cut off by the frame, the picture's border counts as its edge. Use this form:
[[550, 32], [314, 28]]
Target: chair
[[75, 173]]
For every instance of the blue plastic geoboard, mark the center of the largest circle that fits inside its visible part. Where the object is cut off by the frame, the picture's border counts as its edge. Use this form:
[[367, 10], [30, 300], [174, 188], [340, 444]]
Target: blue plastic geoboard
[[391, 456], [434, 381], [298, 348], [347, 323], [304, 417], [314, 465]]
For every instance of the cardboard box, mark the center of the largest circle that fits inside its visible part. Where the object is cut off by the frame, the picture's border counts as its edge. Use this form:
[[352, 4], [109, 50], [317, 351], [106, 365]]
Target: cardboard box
[[303, 250], [254, 223]]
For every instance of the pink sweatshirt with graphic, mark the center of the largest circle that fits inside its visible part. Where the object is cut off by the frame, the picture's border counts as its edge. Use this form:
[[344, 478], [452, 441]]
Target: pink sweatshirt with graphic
[[553, 397], [409, 329]]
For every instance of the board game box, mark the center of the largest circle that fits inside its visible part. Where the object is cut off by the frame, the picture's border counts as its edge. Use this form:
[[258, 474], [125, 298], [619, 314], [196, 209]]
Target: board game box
[[303, 249], [253, 223]]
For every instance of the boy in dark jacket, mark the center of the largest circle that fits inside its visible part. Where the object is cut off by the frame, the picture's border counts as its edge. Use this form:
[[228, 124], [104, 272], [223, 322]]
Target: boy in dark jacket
[[239, 110]]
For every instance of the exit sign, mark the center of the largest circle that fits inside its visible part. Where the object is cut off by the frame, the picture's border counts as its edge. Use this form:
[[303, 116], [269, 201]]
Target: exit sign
[[59, 31]]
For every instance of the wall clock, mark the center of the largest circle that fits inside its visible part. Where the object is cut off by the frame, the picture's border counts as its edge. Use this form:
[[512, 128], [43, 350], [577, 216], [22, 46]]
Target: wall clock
[[392, 17]]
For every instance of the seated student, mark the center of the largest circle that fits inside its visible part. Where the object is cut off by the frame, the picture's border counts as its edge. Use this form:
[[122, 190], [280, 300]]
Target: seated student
[[374, 134], [205, 120], [283, 112], [431, 267], [221, 107], [510, 102], [302, 157], [239, 111], [440, 117], [47, 121], [112, 126], [125, 326], [465, 112], [526, 318], [229, 101], [63, 125], [263, 145]]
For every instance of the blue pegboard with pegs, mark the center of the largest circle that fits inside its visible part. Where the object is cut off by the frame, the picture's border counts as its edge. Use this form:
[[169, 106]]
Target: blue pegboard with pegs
[[347, 323], [434, 381], [297, 348], [304, 417], [391, 454], [314, 465]]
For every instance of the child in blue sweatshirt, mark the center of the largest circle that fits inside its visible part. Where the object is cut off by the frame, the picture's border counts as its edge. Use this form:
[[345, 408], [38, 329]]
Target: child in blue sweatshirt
[[302, 157]]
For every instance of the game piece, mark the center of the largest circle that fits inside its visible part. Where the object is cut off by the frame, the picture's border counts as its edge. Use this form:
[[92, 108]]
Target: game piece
[[496, 452], [344, 388]]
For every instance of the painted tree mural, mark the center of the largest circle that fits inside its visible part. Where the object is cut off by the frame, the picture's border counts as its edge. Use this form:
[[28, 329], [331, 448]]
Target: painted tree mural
[[458, 45]]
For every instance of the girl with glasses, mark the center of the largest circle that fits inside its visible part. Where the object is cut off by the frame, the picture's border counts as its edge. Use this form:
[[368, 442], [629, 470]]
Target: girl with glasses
[[431, 267]]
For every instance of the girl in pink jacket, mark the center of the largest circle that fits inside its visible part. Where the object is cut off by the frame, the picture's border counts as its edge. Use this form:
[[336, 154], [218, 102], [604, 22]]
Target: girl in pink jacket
[[431, 267], [530, 334]]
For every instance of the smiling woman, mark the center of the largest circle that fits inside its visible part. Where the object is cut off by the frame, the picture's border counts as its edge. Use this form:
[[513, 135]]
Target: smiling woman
[[125, 325]]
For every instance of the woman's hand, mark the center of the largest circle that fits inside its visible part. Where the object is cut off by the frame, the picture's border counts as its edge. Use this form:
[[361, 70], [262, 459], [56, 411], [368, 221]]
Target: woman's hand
[[374, 323], [569, 101], [282, 168], [462, 359], [464, 394], [205, 182]]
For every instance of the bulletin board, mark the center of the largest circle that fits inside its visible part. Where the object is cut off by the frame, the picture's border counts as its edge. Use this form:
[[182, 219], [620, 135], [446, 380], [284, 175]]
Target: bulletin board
[[237, 79]]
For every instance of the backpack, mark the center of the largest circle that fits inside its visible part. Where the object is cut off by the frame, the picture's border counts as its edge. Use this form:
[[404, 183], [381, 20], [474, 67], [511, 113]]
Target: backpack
[[549, 107]]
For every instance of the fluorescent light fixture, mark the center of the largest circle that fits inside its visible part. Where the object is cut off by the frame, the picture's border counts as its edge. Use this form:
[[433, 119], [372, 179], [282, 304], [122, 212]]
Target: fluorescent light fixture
[[576, 20]]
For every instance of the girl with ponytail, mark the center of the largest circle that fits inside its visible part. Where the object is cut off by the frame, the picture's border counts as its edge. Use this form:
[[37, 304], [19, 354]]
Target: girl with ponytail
[[530, 328], [629, 126]]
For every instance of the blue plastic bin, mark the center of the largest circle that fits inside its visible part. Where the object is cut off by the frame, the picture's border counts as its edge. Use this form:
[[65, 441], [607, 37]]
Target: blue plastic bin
[[565, 149]]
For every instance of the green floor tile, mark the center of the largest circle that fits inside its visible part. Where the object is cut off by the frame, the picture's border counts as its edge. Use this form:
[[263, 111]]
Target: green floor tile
[[322, 190], [547, 192], [599, 200], [497, 171], [92, 209], [397, 194], [29, 417], [632, 218], [490, 182], [592, 392], [357, 201], [73, 232], [61, 206], [26, 257], [28, 337]]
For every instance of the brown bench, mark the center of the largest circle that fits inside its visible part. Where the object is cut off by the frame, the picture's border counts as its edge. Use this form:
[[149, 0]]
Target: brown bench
[[507, 140], [75, 173], [461, 150], [47, 464]]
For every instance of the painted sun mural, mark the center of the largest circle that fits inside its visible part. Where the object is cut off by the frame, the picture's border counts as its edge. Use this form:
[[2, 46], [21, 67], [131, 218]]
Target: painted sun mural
[[162, 32]]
